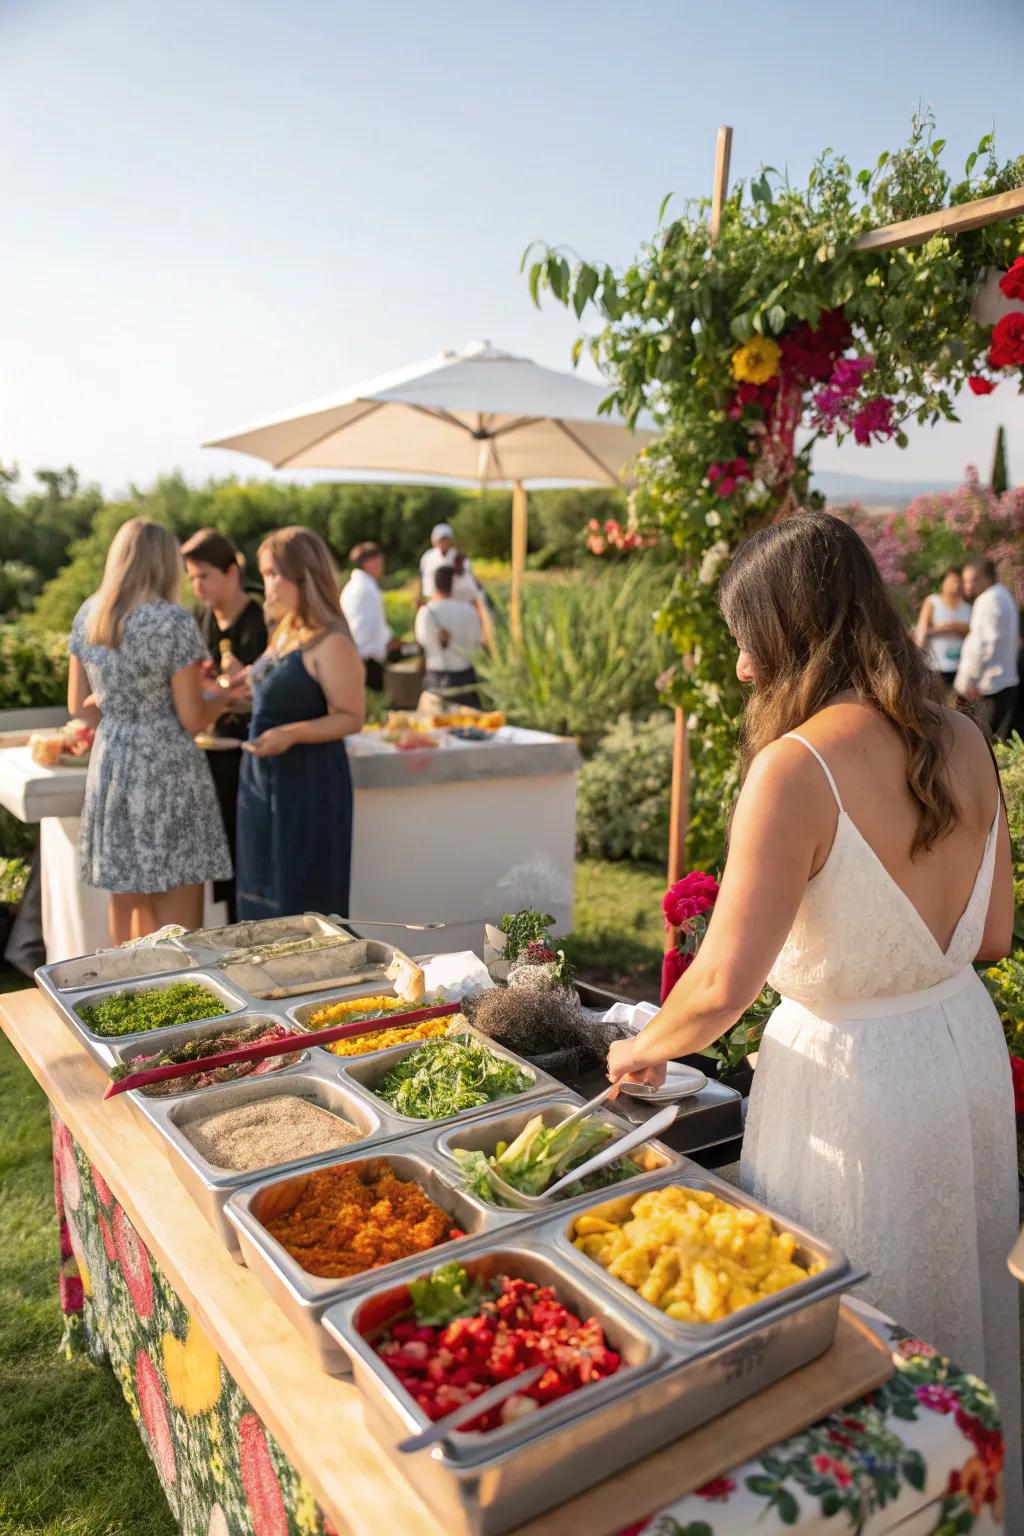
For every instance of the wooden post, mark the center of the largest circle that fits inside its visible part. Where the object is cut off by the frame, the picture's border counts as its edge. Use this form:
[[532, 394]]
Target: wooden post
[[518, 560], [679, 812]]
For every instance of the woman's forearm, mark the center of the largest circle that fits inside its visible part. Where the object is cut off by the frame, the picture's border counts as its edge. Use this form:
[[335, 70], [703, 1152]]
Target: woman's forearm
[[333, 727], [698, 1011]]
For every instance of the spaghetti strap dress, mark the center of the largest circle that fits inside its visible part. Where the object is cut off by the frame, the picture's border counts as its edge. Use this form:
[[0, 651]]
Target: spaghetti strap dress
[[881, 1114], [294, 811]]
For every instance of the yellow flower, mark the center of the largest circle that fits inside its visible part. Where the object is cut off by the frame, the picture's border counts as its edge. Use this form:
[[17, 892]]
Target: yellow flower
[[192, 1369], [307, 1516], [757, 362]]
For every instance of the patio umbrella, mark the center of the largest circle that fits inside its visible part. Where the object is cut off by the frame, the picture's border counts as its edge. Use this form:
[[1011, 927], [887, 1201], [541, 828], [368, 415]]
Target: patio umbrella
[[480, 415]]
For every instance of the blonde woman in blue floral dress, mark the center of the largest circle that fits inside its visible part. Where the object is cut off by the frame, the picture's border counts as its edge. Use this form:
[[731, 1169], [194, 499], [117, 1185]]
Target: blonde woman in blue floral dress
[[151, 831]]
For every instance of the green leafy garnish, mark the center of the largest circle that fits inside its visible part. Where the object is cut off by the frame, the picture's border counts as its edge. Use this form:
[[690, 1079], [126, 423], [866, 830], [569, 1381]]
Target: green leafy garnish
[[445, 1077], [449, 1293], [521, 929], [129, 1013]]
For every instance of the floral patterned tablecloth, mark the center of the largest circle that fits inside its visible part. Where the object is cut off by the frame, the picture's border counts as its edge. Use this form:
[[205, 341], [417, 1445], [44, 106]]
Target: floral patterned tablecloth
[[925, 1449]]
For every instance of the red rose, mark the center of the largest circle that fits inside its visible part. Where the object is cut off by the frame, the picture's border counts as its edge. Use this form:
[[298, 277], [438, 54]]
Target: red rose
[[1017, 1073], [714, 472], [673, 966], [689, 897], [1011, 284], [1007, 350], [727, 486], [979, 386]]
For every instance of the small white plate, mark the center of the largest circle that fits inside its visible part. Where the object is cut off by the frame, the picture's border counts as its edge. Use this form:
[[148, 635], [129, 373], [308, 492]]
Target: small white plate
[[680, 1083]]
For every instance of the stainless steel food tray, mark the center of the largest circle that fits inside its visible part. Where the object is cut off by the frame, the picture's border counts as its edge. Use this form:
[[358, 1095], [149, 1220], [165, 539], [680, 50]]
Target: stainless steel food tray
[[367, 1071], [104, 1048], [108, 967], [267, 930], [302, 1012], [835, 1265], [302, 1296], [483, 1135], [135, 1046], [211, 1185], [485, 1485], [351, 968]]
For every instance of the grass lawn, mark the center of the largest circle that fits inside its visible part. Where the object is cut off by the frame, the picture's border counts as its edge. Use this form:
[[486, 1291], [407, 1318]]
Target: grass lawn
[[616, 940], [72, 1460]]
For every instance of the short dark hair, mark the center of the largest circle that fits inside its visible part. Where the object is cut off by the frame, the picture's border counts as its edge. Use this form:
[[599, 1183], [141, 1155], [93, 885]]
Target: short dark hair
[[211, 548], [952, 570], [444, 576], [985, 565], [363, 552]]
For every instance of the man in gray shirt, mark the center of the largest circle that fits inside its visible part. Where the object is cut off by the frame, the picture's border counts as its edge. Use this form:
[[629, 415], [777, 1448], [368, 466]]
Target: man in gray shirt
[[988, 671]]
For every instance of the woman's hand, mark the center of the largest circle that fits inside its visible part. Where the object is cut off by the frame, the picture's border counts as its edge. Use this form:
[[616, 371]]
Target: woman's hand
[[270, 743], [622, 1068]]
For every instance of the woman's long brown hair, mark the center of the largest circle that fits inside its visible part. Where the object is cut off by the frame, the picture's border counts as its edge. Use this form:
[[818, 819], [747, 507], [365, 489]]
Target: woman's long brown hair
[[804, 599]]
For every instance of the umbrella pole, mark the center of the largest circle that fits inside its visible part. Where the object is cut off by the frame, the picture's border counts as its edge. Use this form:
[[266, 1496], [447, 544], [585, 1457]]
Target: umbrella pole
[[518, 559]]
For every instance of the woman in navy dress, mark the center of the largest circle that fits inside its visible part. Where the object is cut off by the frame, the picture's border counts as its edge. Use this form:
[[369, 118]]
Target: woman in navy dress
[[308, 692]]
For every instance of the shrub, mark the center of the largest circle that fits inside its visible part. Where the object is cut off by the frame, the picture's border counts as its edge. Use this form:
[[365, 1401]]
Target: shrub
[[589, 654], [13, 880], [33, 668], [622, 804], [1005, 982]]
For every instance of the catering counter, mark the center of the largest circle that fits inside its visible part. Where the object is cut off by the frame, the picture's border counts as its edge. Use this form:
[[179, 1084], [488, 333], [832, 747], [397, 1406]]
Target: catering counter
[[248, 1436], [455, 833]]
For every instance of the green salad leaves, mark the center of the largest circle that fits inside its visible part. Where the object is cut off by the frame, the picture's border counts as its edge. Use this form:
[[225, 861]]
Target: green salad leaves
[[445, 1077], [539, 1157]]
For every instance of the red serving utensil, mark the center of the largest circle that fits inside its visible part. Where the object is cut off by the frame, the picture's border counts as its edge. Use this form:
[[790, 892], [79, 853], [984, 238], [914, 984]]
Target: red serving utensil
[[279, 1047]]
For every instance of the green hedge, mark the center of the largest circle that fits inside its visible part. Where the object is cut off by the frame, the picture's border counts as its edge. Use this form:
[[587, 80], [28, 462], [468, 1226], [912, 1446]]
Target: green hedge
[[622, 803], [33, 667]]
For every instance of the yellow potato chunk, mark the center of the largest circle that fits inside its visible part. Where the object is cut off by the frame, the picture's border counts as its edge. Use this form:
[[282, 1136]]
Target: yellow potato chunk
[[695, 1257]]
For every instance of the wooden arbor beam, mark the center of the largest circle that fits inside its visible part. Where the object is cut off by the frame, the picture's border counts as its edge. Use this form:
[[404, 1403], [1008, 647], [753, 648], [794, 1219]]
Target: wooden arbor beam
[[946, 221]]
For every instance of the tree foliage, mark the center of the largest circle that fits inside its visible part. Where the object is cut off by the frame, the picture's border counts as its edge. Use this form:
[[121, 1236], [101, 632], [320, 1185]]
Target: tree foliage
[[722, 341]]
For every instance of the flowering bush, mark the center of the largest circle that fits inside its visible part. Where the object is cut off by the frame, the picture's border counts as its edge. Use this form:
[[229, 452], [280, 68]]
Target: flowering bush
[[913, 547], [684, 907], [778, 325], [611, 538]]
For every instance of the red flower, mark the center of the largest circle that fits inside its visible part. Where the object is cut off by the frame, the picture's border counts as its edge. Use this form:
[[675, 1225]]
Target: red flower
[[1007, 349], [262, 1489], [874, 420], [635, 1529], [980, 386], [154, 1416], [718, 1488], [727, 486], [1017, 1073], [810, 354], [134, 1263], [714, 472], [838, 1470], [1012, 281], [108, 1237], [674, 964], [689, 897]]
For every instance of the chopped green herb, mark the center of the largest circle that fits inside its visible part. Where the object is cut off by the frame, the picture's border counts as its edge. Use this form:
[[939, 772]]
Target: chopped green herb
[[129, 1013]]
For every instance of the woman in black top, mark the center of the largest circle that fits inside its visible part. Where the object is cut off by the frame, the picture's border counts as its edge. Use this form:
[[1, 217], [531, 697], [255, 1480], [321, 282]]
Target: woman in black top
[[229, 615]]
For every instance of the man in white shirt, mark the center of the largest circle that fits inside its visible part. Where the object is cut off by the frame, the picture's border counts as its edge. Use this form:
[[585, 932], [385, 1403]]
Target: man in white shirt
[[449, 631], [362, 603], [442, 551], [988, 662]]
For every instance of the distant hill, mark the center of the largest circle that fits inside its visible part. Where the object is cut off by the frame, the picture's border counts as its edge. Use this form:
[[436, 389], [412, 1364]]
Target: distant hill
[[841, 488]]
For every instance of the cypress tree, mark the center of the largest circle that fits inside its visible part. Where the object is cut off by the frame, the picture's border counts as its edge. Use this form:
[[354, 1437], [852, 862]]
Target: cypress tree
[[1000, 475]]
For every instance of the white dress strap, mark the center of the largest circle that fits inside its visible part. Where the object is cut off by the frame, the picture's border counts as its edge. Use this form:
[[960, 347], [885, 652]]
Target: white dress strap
[[826, 770]]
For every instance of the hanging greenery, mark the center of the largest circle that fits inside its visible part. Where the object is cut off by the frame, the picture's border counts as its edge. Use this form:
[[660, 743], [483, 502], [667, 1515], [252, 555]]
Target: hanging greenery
[[751, 348]]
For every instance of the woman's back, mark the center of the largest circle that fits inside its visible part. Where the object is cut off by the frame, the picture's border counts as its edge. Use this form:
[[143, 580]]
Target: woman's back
[[874, 921], [132, 680]]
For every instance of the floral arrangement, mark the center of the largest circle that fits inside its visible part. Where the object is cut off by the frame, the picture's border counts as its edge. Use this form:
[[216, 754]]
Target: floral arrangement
[[685, 906], [611, 538], [751, 347]]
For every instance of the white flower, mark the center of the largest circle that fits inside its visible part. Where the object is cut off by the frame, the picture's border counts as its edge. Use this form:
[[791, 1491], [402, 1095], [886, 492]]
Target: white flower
[[714, 519], [712, 563]]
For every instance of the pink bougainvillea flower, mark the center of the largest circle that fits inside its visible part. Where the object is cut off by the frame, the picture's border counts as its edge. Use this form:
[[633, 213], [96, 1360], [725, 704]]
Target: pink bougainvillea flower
[[1007, 349], [874, 420], [154, 1416], [262, 1489], [848, 374], [714, 472], [1011, 284], [134, 1262], [980, 386], [809, 355]]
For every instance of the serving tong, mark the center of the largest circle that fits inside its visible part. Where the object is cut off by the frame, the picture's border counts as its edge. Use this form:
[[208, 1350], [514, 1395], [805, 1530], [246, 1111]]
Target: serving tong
[[608, 1154]]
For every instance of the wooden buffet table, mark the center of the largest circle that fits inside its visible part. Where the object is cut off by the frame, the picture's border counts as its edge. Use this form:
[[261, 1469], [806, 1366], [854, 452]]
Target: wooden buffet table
[[317, 1420]]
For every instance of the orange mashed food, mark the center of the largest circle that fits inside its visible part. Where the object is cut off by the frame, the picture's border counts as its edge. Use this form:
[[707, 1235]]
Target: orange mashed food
[[358, 1216]]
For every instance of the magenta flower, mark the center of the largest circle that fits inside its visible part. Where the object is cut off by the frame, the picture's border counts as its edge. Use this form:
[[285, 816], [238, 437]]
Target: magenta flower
[[695, 894], [934, 1395], [874, 420]]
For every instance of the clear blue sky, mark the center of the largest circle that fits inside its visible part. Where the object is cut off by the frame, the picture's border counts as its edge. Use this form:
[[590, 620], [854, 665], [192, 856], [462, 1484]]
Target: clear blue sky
[[212, 211]]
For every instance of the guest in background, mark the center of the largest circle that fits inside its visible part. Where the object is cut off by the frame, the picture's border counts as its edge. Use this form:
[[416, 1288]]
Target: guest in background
[[449, 632], [362, 603], [151, 830], [233, 620], [987, 675], [442, 552], [295, 794], [942, 625]]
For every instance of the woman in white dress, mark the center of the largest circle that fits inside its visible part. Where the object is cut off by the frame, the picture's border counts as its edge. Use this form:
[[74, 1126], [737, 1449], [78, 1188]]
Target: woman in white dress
[[869, 865], [942, 625]]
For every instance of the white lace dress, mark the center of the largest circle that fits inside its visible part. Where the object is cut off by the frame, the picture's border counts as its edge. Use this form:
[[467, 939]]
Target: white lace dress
[[882, 1113]]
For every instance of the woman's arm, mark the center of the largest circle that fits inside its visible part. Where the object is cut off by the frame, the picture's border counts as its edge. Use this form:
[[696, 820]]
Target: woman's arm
[[79, 692], [335, 664], [924, 623], [783, 826], [194, 712]]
